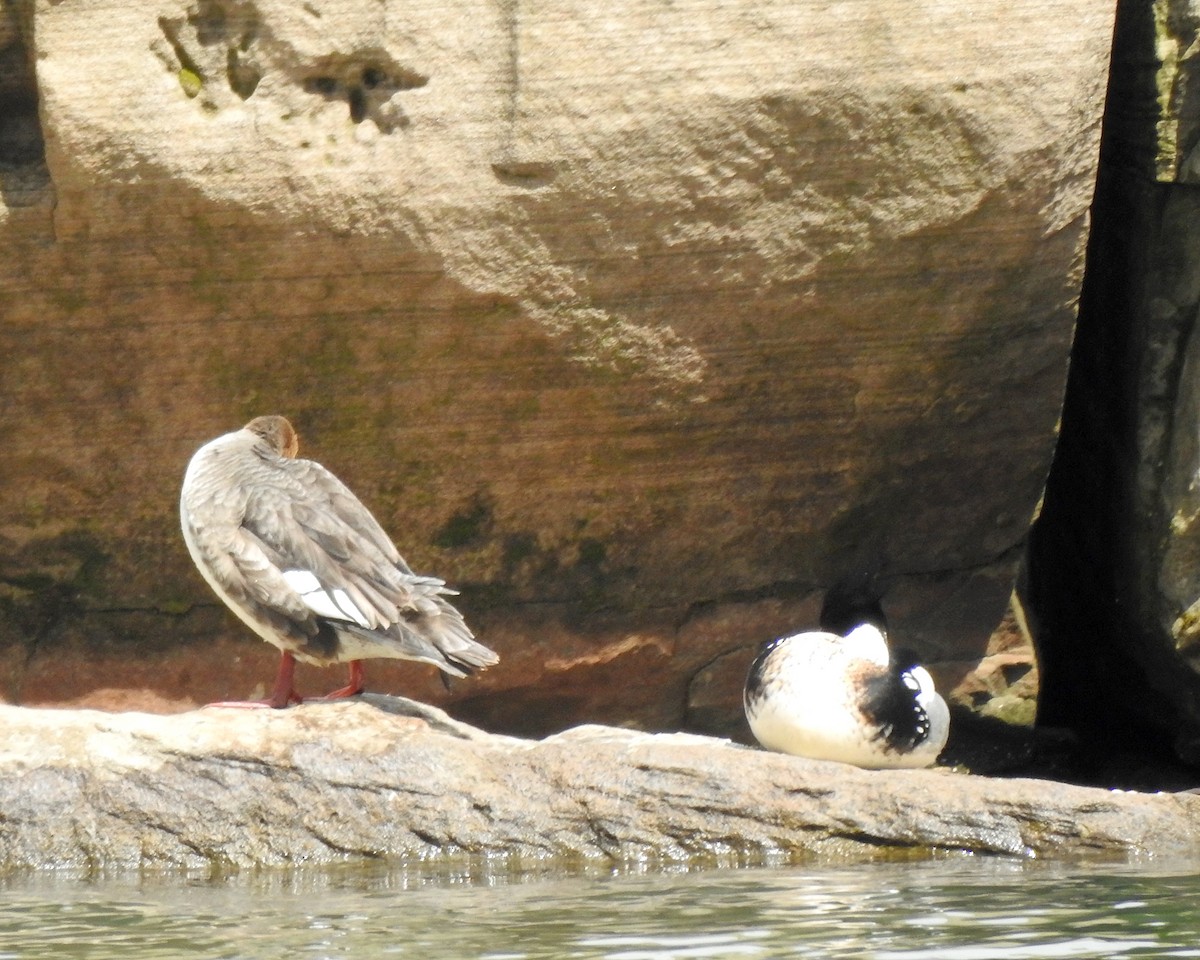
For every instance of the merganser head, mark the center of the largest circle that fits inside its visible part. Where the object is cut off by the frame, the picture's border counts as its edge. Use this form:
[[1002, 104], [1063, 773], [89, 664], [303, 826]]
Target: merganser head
[[278, 433], [853, 601]]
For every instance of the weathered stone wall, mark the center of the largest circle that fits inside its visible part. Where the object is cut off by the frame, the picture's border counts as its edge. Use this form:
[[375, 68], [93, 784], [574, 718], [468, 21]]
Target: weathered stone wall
[[639, 323]]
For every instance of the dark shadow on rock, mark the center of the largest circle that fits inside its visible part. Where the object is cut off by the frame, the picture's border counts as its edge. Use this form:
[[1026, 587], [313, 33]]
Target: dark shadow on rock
[[1109, 675], [24, 178]]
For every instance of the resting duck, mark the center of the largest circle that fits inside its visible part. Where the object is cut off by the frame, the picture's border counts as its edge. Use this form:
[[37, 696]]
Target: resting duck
[[302, 562], [842, 696]]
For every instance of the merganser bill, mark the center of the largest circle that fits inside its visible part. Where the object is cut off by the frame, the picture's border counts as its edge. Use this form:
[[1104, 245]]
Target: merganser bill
[[845, 697], [290, 550]]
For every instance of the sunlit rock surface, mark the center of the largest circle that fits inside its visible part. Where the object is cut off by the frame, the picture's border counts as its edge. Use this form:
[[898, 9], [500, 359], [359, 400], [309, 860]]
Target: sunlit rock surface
[[640, 322], [391, 778]]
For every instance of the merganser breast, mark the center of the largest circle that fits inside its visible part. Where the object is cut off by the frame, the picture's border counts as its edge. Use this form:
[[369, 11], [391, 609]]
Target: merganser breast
[[845, 698], [302, 562]]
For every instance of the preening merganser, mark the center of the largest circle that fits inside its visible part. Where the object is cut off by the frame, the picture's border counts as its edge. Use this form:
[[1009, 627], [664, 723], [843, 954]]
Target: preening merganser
[[302, 562], [829, 696]]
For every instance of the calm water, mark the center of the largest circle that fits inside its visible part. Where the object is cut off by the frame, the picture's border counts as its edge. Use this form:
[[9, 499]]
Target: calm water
[[967, 909]]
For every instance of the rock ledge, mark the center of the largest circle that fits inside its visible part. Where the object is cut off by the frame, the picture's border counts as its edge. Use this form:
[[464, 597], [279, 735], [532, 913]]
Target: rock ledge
[[387, 777]]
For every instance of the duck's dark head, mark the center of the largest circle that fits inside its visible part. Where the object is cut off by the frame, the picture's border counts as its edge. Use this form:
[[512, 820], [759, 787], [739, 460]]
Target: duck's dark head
[[852, 601]]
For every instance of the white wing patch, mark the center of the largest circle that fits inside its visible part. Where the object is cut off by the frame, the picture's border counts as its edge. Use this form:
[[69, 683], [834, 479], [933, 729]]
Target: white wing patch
[[920, 682], [334, 604]]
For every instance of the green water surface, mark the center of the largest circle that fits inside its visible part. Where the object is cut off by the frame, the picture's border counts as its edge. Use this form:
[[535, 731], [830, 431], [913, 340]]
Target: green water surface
[[958, 909]]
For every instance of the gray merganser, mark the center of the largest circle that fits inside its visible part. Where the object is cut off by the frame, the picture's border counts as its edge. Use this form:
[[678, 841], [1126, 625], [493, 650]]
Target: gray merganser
[[843, 696], [302, 562]]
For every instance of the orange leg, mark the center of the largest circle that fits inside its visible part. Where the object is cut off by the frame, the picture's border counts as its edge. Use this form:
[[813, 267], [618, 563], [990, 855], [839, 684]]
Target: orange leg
[[285, 690], [354, 687], [283, 694]]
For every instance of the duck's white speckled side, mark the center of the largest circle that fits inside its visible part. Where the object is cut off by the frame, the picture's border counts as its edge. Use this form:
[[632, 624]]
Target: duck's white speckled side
[[845, 698]]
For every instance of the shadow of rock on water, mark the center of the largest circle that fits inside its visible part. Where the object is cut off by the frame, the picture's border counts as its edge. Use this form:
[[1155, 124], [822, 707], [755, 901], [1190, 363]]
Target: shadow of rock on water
[[388, 778]]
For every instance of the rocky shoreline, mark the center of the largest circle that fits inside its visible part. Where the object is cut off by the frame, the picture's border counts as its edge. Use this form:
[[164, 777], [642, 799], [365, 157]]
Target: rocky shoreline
[[385, 777]]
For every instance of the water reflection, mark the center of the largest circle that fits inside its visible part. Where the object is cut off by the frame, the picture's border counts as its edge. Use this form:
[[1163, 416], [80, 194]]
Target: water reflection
[[965, 909]]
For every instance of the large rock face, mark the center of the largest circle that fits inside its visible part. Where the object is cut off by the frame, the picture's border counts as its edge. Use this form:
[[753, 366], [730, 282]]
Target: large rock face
[[641, 323], [1116, 559], [394, 779]]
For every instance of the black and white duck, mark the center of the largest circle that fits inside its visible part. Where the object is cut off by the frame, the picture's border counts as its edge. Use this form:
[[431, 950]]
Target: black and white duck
[[839, 693]]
